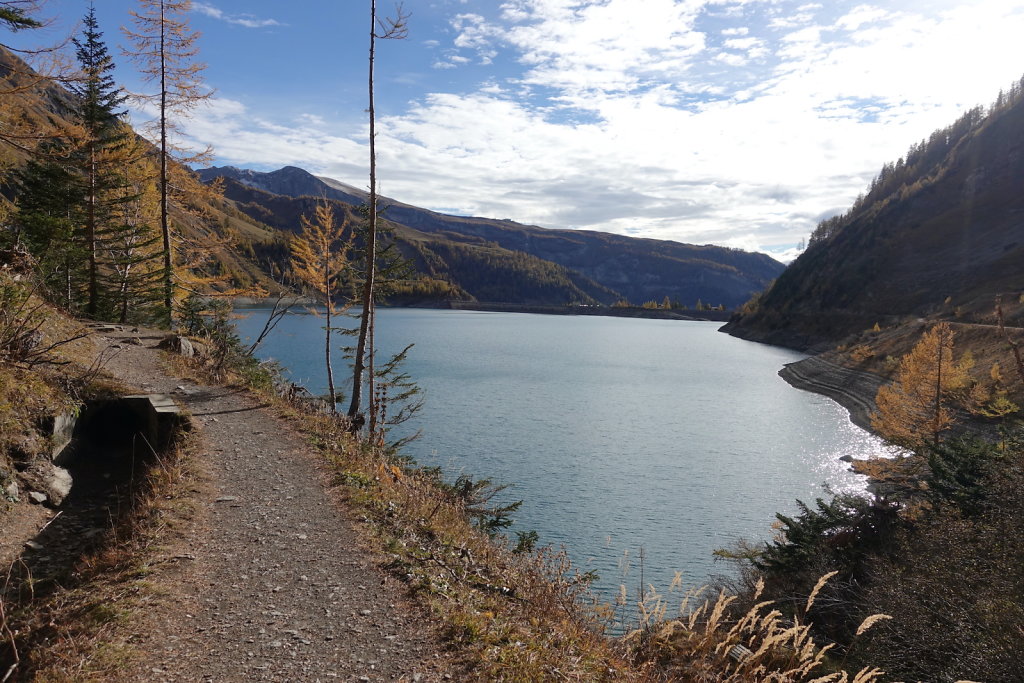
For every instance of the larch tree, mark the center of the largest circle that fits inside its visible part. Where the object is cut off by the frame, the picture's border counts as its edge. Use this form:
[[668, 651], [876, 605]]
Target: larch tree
[[920, 404], [320, 258], [22, 132], [164, 48], [391, 28]]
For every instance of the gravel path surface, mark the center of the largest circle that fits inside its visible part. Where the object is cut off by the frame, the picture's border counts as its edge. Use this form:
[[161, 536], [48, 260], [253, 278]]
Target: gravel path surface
[[269, 582]]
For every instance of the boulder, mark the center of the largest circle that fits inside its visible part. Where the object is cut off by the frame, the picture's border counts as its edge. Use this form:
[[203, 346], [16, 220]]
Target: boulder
[[58, 486], [49, 480], [178, 344], [202, 351]]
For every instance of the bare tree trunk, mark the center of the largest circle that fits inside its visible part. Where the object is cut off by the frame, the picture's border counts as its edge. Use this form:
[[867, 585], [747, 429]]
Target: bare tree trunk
[[374, 408], [371, 247], [90, 234], [1014, 346], [165, 228], [327, 344], [124, 300], [938, 393]]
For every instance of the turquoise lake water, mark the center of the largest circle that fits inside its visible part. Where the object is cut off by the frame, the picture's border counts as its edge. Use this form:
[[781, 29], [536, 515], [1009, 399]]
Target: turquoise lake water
[[618, 434]]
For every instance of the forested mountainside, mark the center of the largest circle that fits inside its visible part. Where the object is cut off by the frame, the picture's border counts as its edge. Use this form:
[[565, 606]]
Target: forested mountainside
[[248, 230], [42, 205], [940, 231], [500, 260], [445, 267]]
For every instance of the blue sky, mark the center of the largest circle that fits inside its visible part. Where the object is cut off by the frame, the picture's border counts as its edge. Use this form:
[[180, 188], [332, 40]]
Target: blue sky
[[735, 122]]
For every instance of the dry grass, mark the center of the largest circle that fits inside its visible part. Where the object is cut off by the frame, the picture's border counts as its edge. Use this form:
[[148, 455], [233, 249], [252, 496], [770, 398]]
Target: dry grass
[[80, 628], [988, 347], [707, 642], [529, 616]]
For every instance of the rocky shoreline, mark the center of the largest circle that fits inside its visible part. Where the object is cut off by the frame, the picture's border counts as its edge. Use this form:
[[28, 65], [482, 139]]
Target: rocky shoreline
[[855, 390]]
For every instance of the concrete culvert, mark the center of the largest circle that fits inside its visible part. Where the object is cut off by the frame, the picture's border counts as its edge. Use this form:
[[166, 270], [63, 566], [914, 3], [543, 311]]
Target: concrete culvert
[[112, 430], [115, 442]]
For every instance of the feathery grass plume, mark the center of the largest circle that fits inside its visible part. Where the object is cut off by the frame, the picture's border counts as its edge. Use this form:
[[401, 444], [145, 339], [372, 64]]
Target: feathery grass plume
[[714, 642], [817, 587], [718, 611], [871, 621], [867, 675], [758, 588]]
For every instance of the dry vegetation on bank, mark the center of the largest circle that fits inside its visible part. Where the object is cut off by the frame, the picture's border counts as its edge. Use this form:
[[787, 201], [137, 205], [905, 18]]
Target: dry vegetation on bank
[[78, 626]]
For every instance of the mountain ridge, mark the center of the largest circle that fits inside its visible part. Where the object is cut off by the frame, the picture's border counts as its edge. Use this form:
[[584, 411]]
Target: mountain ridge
[[638, 269]]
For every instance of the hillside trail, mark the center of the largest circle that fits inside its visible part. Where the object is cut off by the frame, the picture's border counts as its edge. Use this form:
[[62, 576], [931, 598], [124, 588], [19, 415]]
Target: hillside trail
[[269, 580]]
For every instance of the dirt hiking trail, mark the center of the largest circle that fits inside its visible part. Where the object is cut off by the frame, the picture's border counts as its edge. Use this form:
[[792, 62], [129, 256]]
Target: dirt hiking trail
[[269, 580]]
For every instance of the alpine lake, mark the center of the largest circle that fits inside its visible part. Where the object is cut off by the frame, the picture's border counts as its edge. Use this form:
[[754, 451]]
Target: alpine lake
[[639, 445]]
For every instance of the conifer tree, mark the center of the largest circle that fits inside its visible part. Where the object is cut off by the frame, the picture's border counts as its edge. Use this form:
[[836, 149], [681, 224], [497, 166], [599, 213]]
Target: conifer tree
[[16, 15], [104, 135], [920, 404], [50, 199], [164, 48], [132, 244]]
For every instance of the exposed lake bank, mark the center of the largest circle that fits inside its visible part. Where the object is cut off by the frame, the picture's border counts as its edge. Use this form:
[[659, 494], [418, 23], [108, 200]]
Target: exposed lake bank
[[541, 309], [610, 311], [854, 390]]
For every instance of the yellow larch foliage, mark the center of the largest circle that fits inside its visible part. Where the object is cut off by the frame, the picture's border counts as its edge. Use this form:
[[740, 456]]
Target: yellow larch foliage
[[919, 405]]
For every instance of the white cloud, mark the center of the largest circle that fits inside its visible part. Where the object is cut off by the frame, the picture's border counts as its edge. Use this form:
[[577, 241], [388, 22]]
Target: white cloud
[[474, 33], [608, 46], [860, 15], [731, 58], [246, 20], [792, 20], [743, 43]]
